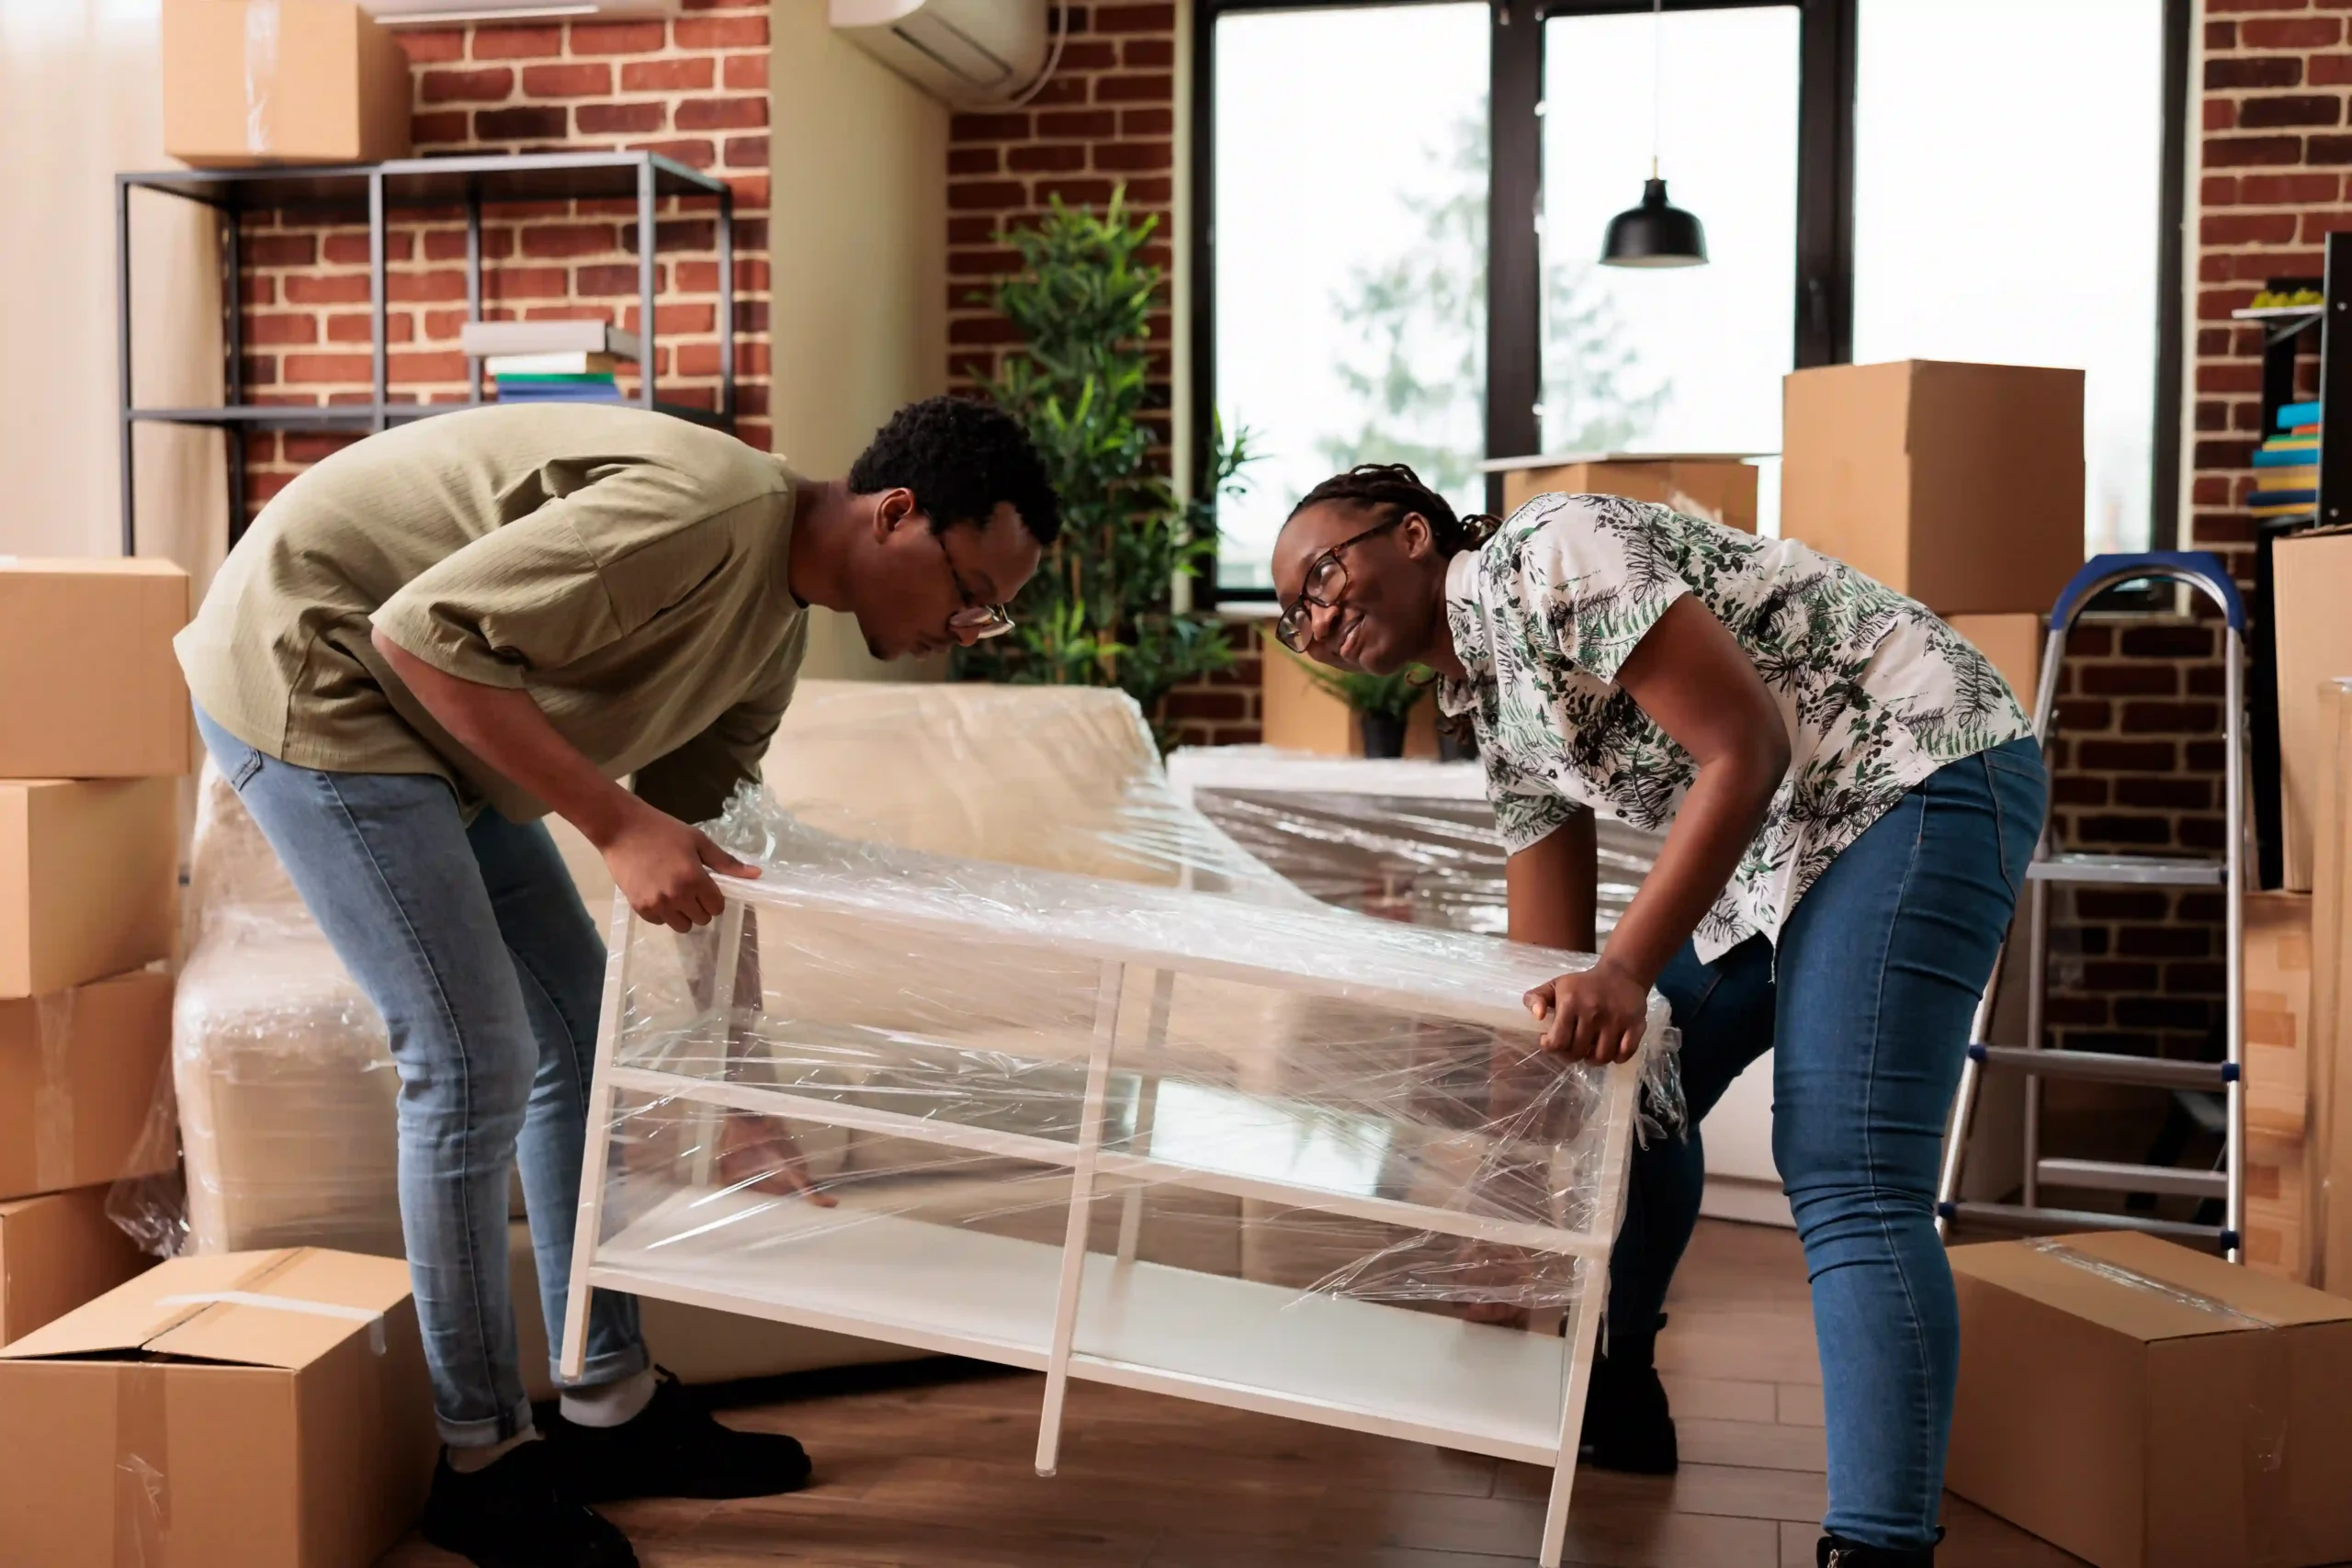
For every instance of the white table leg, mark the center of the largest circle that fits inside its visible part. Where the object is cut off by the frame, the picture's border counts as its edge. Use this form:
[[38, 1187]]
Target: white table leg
[[1592, 1294], [1163, 991], [587, 1226], [709, 1120], [1082, 1193]]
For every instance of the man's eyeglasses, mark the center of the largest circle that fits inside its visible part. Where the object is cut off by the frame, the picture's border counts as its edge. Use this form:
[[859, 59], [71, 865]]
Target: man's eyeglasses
[[1327, 579], [980, 620]]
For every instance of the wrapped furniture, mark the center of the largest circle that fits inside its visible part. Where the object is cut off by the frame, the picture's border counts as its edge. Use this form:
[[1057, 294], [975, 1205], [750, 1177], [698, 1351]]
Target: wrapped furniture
[[1415, 841], [1269, 1154]]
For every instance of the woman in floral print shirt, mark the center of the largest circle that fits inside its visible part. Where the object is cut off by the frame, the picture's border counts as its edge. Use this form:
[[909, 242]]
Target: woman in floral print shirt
[[1851, 795]]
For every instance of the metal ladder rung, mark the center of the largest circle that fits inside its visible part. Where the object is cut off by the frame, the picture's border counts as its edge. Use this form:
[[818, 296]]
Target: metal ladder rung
[[2107, 1067], [2106, 1176], [2043, 1220], [2130, 870]]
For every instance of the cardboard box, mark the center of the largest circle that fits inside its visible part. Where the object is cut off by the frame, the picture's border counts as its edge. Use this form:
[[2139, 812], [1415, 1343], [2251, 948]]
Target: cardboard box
[[1296, 715], [2278, 978], [56, 1252], [1721, 489], [255, 81], [1960, 485], [2312, 582], [89, 879], [2328, 1117], [156, 1427], [2146, 1406], [2014, 645], [85, 657], [78, 1074]]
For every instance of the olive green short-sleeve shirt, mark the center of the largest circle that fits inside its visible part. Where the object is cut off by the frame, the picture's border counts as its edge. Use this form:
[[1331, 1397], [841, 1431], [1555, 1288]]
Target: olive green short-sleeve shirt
[[627, 568]]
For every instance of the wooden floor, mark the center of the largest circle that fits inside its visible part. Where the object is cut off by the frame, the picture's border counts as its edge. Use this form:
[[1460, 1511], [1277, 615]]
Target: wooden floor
[[934, 1473]]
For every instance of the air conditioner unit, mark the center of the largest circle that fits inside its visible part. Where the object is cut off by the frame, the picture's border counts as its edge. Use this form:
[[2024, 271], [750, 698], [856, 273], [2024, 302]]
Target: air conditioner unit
[[451, 13], [969, 52]]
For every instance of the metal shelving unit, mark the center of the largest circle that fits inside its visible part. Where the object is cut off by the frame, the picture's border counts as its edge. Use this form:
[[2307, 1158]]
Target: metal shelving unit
[[2287, 331], [376, 192]]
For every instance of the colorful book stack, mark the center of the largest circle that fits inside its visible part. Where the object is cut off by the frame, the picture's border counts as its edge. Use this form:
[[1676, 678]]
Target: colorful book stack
[[2286, 466], [554, 378]]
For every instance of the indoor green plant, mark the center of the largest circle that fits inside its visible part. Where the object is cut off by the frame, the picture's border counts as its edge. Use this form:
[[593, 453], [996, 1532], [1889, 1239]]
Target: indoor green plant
[[1101, 610], [1381, 704]]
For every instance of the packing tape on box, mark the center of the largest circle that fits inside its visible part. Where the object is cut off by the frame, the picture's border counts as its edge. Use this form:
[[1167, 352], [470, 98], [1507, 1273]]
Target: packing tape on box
[[261, 70], [53, 1095], [142, 1491], [373, 1319], [2266, 1501]]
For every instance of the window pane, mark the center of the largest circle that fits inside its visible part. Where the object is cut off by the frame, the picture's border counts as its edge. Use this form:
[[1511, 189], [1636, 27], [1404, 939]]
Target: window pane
[[1976, 246], [1351, 224], [1680, 359]]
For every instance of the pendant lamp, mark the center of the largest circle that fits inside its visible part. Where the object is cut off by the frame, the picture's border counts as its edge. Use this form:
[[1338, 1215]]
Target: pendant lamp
[[1656, 233]]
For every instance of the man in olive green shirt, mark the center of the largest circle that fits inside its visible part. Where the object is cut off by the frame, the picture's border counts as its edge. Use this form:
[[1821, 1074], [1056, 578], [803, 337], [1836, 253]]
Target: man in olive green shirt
[[440, 635]]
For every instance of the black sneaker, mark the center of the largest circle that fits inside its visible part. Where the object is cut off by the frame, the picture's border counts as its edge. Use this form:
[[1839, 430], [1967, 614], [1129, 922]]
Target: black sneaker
[[1627, 1427], [515, 1514], [673, 1448], [1837, 1551]]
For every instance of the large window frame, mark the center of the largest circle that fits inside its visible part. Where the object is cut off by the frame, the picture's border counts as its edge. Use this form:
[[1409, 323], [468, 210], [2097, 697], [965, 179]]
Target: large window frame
[[1822, 313]]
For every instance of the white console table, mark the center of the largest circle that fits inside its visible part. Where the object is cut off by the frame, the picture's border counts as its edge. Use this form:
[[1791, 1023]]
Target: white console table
[[1108, 1044]]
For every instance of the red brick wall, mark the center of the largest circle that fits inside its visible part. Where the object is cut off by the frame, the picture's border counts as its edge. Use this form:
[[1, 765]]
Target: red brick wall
[[694, 87]]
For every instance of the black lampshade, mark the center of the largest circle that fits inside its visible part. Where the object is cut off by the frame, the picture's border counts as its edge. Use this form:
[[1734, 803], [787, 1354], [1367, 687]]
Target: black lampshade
[[1654, 234]]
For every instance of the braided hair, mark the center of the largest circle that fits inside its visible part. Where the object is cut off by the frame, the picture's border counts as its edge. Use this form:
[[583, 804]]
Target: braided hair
[[1393, 490]]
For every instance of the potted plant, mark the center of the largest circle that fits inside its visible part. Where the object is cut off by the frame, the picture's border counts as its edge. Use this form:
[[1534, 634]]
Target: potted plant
[[1102, 609], [1381, 704]]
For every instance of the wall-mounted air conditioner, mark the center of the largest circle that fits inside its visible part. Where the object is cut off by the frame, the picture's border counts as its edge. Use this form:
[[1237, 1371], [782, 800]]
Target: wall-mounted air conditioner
[[969, 52], [450, 13]]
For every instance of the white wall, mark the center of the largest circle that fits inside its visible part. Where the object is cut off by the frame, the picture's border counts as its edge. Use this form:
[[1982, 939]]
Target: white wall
[[79, 100], [857, 242]]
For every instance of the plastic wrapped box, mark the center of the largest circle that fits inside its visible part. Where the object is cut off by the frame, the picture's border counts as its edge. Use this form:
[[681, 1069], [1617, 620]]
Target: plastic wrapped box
[[1277, 1156]]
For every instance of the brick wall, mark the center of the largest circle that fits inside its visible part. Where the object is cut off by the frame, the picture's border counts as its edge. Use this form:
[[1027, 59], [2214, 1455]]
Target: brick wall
[[694, 88]]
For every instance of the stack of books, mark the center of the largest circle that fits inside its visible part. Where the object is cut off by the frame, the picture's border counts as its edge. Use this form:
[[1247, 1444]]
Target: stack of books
[[2286, 466], [550, 362]]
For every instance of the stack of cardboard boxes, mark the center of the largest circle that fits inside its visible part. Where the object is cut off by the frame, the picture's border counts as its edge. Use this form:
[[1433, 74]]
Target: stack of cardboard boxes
[[94, 735]]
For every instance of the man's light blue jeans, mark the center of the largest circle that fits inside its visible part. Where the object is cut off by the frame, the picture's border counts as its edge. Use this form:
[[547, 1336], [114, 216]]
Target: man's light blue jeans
[[474, 945], [1869, 999]]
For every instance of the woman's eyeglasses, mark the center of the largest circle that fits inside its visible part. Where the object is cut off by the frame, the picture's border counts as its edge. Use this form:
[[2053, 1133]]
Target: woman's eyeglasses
[[1327, 579]]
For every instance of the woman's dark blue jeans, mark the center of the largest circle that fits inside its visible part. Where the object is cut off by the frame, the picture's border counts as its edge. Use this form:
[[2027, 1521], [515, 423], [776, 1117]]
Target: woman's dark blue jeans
[[1869, 1000]]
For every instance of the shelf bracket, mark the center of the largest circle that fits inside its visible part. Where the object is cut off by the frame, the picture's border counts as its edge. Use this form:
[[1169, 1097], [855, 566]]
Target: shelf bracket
[[1081, 1193]]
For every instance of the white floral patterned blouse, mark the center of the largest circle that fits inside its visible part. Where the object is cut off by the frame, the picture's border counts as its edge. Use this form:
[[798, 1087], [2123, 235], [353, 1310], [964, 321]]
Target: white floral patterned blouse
[[1877, 693]]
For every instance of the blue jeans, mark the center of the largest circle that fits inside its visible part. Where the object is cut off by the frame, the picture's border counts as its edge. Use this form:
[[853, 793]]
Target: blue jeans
[[1877, 979], [474, 945]]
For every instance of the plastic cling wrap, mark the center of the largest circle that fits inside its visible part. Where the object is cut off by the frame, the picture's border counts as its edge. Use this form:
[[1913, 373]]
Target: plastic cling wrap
[[875, 1087], [1405, 840]]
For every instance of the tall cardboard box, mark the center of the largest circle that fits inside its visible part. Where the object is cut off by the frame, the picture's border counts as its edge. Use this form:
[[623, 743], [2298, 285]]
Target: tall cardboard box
[[2146, 1406], [2311, 583], [57, 1251], [78, 1074], [1721, 489], [90, 878], [86, 658], [1960, 485], [2327, 1141], [289, 1427], [252, 81], [2014, 645]]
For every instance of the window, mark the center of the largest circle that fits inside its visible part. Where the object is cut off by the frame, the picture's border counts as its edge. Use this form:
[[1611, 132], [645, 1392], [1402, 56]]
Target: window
[[1978, 246], [1352, 258], [1689, 359], [1405, 206]]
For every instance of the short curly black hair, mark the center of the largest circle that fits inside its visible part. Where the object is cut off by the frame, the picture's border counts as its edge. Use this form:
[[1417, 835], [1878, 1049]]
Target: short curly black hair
[[961, 457]]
